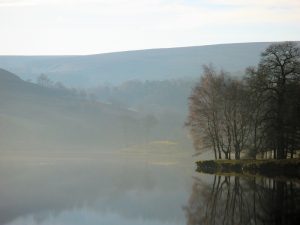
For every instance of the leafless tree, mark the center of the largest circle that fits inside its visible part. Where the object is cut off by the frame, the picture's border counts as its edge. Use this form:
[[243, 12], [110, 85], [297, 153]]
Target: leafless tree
[[277, 72], [220, 114], [205, 117]]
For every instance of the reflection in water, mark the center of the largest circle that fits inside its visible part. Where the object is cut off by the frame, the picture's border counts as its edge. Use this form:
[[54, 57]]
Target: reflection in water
[[236, 200], [93, 189]]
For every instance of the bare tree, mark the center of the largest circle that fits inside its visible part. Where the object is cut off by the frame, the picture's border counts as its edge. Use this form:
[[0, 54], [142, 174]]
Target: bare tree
[[205, 112], [278, 70], [257, 114], [219, 114], [257, 110], [237, 116]]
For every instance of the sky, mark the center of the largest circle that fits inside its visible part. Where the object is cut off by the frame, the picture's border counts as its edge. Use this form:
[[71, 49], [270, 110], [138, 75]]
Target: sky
[[80, 27]]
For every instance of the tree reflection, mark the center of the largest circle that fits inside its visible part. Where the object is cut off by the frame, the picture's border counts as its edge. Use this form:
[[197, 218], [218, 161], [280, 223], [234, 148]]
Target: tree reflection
[[235, 200]]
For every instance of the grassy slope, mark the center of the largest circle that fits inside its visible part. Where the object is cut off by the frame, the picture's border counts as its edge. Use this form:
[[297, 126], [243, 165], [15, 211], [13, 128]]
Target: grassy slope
[[34, 118], [37, 118]]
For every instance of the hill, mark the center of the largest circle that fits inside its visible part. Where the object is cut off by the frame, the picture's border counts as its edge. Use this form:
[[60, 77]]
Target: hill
[[118, 67], [38, 118]]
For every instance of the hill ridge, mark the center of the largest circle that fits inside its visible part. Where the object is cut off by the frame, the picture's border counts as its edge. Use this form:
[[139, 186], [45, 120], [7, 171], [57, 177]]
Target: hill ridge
[[150, 64]]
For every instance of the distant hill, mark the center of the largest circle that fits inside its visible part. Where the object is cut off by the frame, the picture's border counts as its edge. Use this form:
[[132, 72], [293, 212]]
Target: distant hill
[[153, 64], [38, 118]]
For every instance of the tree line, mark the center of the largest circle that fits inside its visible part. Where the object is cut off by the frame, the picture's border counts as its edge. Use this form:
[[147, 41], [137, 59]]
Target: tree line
[[254, 115], [44, 81]]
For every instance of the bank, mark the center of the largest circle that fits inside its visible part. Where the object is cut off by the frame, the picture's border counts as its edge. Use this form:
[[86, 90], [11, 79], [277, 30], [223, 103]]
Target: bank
[[264, 167]]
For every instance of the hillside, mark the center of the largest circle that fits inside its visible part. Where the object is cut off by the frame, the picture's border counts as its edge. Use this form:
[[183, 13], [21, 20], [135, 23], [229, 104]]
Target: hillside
[[38, 118], [153, 64], [147, 101]]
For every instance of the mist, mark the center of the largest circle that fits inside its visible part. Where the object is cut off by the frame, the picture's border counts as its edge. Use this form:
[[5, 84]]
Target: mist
[[105, 139]]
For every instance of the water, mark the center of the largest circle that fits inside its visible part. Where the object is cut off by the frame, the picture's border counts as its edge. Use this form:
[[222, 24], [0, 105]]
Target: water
[[239, 200], [135, 189], [89, 189]]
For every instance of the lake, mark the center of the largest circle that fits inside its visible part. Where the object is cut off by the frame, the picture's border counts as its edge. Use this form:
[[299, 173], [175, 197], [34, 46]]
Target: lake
[[135, 189]]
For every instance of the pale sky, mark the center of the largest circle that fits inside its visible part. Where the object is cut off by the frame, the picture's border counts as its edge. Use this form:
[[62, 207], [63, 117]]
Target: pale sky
[[55, 27]]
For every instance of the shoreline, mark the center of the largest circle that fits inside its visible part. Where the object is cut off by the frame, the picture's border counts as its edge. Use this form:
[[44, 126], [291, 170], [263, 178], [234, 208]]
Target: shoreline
[[272, 168]]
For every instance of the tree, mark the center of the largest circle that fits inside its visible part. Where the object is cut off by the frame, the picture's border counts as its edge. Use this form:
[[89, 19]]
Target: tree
[[277, 72], [237, 116], [257, 109], [219, 114], [205, 113], [44, 81], [257, 114]]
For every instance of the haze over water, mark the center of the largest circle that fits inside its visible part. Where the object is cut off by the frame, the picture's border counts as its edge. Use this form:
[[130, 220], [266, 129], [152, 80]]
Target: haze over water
[[99, 188], [127, 188], [97, 98]]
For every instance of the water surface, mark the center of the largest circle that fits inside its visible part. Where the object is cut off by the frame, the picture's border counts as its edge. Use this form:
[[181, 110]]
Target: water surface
[[135, 189], [229, 200], [98, 188]]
